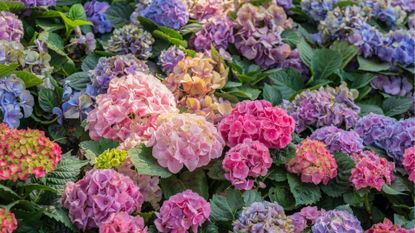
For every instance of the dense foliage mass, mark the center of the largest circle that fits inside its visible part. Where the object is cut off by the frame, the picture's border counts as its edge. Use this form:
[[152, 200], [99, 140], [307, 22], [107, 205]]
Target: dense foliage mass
[[209, 116]]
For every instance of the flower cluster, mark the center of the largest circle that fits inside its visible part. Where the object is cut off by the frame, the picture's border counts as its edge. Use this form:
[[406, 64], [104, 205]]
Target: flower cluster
[[338, 140], [406, 5], [313, 162], [109, 68], [169, 58], [257, 120], [111, 158], [263, 217], [324, 107], [76, 105], [245, 161], [132, 39], [286, 4], [258, 34], [168, 13], [16, 102], [81, 44], [100, 193], [122, 222], [383, 11], [203, 10], [185, 140], [217, 32], [317, 9], [211, 107], [386, 226], [371, 171], [409, 162], [11, 28], [337, 221], [8, 222], [95, 12], [26, 152], [393, 85], [182, 212], [139, 6], [305, 217], [35, 3], [130, 108]]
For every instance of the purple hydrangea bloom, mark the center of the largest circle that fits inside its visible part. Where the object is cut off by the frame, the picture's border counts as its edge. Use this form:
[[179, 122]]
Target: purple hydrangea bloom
[[263, 217], [95, 12], [367, 38], [11, 28], [406, 5], [294, 61], [337, 221], [15, 101], [286, 4], [317, 9], [403, 137], [169, 58], [339, 140], [374, 129], [393, 85], [33, 3], [217, 32], [382, 11], [307, 215], [141, 5], [168, 13]]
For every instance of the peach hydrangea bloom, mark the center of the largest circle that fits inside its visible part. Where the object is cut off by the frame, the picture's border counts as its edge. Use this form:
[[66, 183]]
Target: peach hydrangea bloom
[[409, 162]]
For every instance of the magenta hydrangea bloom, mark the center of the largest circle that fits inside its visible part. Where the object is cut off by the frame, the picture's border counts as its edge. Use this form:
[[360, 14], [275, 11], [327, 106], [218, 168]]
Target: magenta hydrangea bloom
[[409, 162], [217, 32], [387, 227], [169, 58], [122, 222], [305, 217], [338, 140], [257, 120], [130, 108], [8, 222], [245, 161], [182, 212], [371, 171], [185, 140], [11, 28], [100, 193], [337, 221]]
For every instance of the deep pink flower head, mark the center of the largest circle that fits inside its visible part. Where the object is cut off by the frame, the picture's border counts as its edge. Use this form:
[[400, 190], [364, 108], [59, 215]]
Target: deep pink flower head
[[371, 171], [11, 28], [305, 217], [183, 211], [8, 222], [388, 227], [185, 140], [93, 199], [313, 162], [130, 108], [409, 162], [257, 120], [122, 222], [245, 161]]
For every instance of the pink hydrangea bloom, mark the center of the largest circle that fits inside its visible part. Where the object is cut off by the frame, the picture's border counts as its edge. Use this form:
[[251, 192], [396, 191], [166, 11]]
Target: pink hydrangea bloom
[[371, 171], [183, 211], [305, 217], [245, 161], [122, 222], [387, 227], [203, 10], [8, 222], [11, 28], [313, 162], [130, 108], [185, 140], [257, 120], [97, 195], [409, 162]]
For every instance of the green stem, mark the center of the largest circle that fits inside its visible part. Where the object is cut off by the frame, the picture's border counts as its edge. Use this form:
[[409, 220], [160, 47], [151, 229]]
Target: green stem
[[367, 205]]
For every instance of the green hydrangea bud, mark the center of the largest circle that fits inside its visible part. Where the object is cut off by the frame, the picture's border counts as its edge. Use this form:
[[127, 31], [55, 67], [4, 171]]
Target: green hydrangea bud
[[111, 158]]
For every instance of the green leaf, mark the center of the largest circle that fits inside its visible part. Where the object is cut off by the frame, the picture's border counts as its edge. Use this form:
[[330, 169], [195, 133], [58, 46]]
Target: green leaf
[[210, 228], [340, 184], [396, 105], [354, 199], [90, 62], [171, 33], [92, 149], [196, 181], [345, 3], [306, 52], [28, 188], [368, 108], [280, 193], [47, 99], [8, 194], [78, 80], [167, 36], [358, 80], [290, 37], [224, 208], [245, 92], [372, 66], [251, 196], [288, 82], [272, 94], [191, 28], [66, 2], [389, 190], [304, 193], [325, 62], [278, 174], [7, 69], [49, 25], [148, 24], [29, 79], [11, 6], [77, 12], [53, 41], [145, 163], [60, 215], [216, 171], [347, 51], [119, 14]]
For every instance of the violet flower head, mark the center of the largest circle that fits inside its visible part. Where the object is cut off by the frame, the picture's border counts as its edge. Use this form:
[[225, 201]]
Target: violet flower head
[[305, 217], [337, 221], [403, 137], [95, 12], [286, 4], [139, 6], [168, 13], [217, 32], [11, 28], [383, 11], [406, 5], [169, 58], [35, 3], [393, 85], [374, 129], [317, 9]]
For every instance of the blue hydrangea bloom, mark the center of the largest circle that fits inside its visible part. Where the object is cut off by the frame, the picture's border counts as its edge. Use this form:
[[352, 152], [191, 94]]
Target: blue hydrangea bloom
[[317, 9], [95, 12], [337, 221], [168, 13]]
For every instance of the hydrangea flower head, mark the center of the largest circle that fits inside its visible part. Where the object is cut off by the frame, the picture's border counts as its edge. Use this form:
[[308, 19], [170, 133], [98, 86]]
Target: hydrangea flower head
[[168, 13], [8, 222], [182, 212], [211, 107], [95, 12], [337, 221], [263, 217], [374, 128], [185, 140], [386, 226], [403, 136], [392, 85], [260, 121], [371, 171], [217, 32], [306, 216], [96, 196], [245, 162], [26, 152], [409, 162], [203, 10], [317, 10], [122, 222], [169, 58], [313, 162], [130, 108], [35, 3], [111, 158], [11, 28]]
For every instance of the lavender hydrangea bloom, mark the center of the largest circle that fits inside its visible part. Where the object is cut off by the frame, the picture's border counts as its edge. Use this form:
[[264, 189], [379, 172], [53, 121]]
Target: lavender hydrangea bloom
[[11, 28], [294, 61], [397, 86], [140, 6], [337, 221], [403, 137], [168, 13], [217, 32], [286, 4], [339, 140], [367, 38], [76, 104], [406, 5], [374, 129], [15, 101], [382, 11], [33, 3], [317, 9], [95, 12], [169, 58], [263, 217]]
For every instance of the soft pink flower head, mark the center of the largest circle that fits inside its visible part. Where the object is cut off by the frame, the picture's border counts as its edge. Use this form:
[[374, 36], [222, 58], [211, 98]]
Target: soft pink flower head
[[122, 222], [8, 222], [371, 171], [130, 108], [409, 162], [313, 162], [257, 120], [245, 161], [93, 199], [185, 140], [388, 227], [11, 28], [203, 10], [305, 217], [183, 211]]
